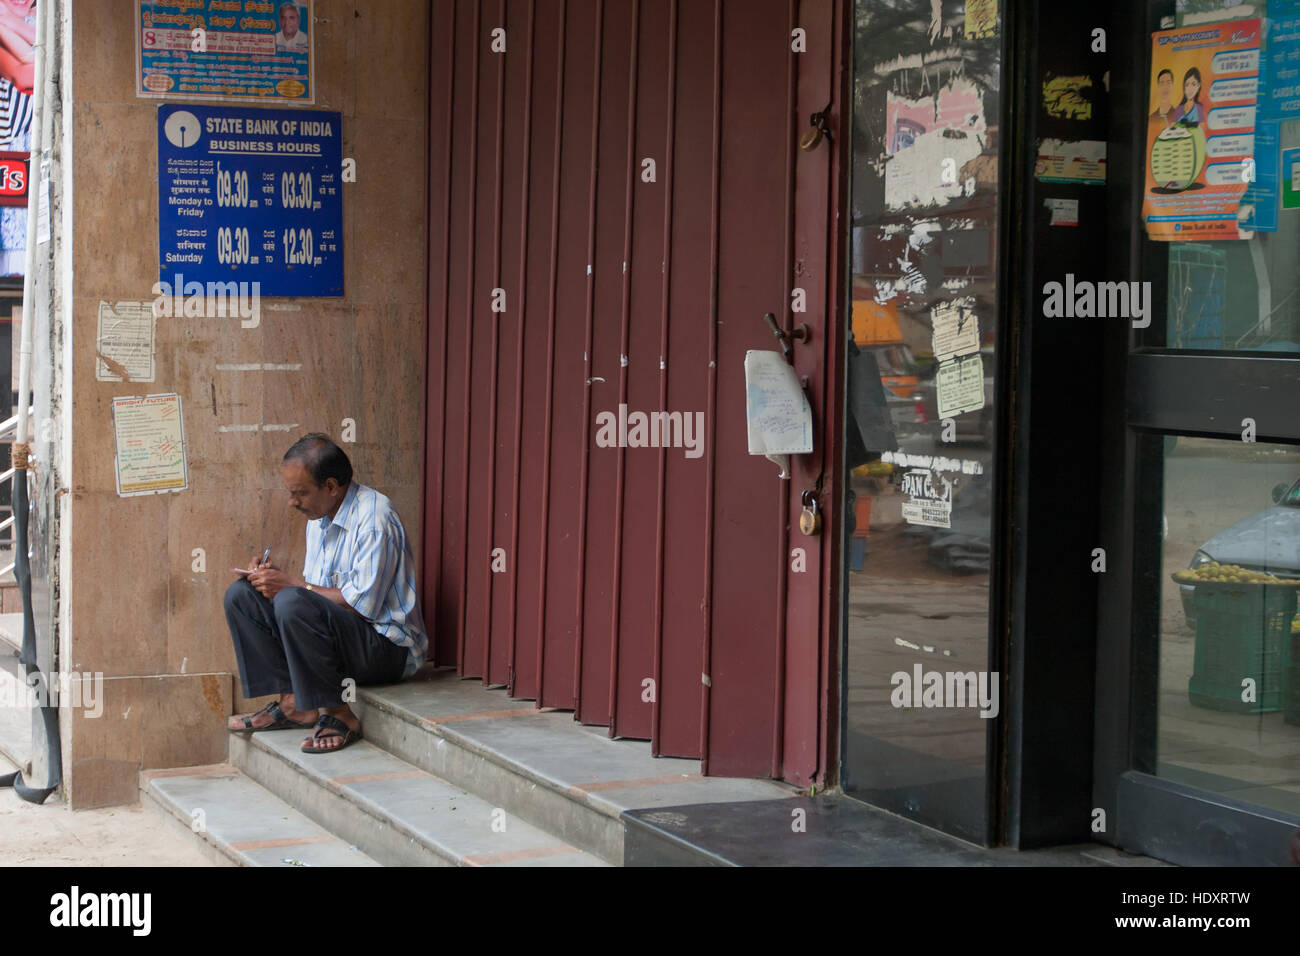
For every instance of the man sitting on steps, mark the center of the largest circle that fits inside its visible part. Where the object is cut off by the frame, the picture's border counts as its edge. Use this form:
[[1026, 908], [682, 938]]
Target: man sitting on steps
[[353, 614]]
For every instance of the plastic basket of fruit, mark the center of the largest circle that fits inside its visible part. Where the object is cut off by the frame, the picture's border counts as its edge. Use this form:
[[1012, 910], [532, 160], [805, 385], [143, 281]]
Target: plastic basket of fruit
[[1243, 630]]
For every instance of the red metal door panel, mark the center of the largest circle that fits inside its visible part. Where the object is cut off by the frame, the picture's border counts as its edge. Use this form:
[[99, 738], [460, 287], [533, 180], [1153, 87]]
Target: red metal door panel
[[640, 507], [623, 563], [528, 554], [461, 230], [813, 258], [748, 540], [569, 389], [441, 108], [604, 371], [487, 137], [684, 610], [506, 329]]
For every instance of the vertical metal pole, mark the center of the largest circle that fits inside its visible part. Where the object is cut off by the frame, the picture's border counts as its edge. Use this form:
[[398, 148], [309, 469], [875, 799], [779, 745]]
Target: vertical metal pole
[[33, 205], [45, 756]]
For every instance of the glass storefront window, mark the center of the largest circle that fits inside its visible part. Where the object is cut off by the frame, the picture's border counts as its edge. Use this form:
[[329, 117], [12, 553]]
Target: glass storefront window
[[1229, 663], [920, 418], [1237, 294], [1231, 295]]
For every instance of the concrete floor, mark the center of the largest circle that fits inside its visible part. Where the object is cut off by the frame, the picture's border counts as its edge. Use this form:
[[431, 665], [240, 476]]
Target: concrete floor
[[53, 835]]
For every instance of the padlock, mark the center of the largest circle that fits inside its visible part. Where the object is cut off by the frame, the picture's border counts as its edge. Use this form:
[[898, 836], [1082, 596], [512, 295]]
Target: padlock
[[818, 129], [810, 521]]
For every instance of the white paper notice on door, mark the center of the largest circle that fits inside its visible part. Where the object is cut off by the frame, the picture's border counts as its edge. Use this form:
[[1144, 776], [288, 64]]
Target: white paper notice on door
[[930, 499], [780, 420], [956, 330], [960, 384]]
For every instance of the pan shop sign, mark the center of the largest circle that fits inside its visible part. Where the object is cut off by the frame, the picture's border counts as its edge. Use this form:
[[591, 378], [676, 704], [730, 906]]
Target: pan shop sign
[[930, 498]]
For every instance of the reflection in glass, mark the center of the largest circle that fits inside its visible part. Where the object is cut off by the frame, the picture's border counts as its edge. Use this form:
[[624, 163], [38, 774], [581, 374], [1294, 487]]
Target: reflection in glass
[[1229, 710], [1233, 295], [920, 416]]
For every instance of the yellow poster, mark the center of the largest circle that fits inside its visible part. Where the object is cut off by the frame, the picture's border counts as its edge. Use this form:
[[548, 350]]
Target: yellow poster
[[981, 19]]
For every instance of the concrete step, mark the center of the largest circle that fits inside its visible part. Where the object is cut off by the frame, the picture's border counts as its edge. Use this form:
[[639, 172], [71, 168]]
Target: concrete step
[[242, 824], [539, 765], [399, 814], [15, 709]]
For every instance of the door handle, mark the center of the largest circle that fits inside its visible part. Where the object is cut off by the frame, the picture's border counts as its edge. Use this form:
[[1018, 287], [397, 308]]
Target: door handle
[[800, 334]]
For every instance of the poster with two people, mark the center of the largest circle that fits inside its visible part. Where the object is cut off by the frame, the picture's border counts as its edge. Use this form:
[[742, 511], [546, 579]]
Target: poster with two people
[[1201, 131]]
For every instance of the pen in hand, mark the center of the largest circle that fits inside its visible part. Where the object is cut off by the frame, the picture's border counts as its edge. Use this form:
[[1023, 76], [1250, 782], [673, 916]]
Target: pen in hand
[[255, 564]]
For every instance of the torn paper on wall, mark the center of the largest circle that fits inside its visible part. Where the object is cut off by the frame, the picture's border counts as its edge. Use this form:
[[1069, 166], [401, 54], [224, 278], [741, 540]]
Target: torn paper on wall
[[930, 141], [928, 172], [1071, 161], [1068, 97], [960, 105], [124, 343], [906, 120], [981, 19], [956, 330], [1065, 212]]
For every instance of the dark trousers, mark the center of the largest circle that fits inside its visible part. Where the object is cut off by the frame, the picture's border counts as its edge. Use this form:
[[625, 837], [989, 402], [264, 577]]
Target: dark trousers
[[306, 644]]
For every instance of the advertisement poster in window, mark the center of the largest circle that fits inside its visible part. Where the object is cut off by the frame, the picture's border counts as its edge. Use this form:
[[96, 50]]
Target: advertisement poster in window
[[1201, 131]]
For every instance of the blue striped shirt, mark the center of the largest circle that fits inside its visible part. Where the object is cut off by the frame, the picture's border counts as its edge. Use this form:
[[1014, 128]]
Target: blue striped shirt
[[364, 553]]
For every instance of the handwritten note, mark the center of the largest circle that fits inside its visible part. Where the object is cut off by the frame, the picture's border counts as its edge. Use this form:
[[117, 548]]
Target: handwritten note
[[780, 420]]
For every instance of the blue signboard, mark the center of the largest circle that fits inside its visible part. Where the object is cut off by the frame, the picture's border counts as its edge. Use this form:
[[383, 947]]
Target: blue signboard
[[251, 195], [1280, 72], [1259, 203]]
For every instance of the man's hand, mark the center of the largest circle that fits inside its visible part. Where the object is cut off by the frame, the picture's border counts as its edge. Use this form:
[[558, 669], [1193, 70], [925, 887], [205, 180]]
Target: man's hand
[[271, 581]]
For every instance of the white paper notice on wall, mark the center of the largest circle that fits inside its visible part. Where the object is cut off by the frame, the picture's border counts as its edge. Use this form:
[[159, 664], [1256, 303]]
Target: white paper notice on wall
[[43, 205], [777, 411], [125, 342]]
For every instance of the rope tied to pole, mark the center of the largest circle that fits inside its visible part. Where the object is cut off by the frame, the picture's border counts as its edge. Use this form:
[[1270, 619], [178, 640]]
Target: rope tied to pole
[[20, 456]]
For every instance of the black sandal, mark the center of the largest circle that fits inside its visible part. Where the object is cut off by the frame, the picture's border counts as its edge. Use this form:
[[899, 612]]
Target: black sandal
[[326, 722], [278, 721]]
